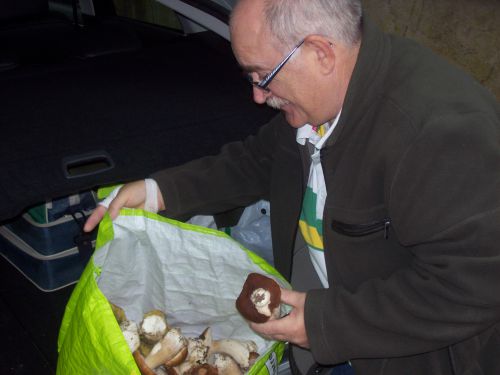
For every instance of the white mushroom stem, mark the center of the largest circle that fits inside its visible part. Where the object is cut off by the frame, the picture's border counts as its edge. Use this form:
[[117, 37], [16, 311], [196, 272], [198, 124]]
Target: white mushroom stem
[[197, 352], [160, 371], [238, 350], [261, 299], [251, 345], [241, 351], [225, 365], [131, 334]]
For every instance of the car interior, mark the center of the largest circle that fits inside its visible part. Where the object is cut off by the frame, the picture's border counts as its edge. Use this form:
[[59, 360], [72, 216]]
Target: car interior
[[110, 100], [93, 99]]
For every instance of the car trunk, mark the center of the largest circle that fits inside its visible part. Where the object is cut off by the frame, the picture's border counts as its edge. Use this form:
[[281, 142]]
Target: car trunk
[[123, 100]]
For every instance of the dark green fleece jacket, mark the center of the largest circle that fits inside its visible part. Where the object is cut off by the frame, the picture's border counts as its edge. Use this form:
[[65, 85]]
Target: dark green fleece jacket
[[412, 217]]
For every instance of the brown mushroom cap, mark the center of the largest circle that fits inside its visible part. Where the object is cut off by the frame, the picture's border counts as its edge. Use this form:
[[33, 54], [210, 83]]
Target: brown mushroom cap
[[244, 303], [178, 358], [141, 363], [203, 369]]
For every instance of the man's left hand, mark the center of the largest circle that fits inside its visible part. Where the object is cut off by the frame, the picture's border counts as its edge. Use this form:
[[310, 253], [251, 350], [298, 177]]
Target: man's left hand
[[291, 327]]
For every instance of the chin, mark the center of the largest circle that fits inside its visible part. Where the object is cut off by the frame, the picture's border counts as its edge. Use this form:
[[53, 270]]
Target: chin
[[293, 119], [294, 123]]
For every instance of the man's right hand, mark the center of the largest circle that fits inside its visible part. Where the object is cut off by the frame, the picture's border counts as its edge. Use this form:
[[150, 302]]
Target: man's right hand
[[132, 195]]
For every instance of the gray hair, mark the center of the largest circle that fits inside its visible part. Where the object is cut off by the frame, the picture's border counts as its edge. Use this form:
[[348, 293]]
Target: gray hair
[[292, 20]]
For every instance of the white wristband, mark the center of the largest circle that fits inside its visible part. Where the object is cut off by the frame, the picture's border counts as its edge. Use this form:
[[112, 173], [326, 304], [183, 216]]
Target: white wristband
[[151, 203]]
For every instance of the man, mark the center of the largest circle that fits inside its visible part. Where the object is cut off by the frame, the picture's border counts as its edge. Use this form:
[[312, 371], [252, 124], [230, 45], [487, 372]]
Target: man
[[389, 157]]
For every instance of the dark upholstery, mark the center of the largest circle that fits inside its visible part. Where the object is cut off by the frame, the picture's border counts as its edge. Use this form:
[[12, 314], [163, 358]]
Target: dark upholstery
[[30, 34], [159, 106], [8, 62], [108, 102], [37, 41], [21, 10], [105, 38]]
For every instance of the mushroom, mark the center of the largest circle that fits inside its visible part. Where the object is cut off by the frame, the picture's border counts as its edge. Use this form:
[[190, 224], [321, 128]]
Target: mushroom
[[169, 351], [259, 299], [118, 312], [238, 350], [251, 345], [140, 362], [197, 353], [160, 371], [131, 334], [204, 369], [243, 352], [153, 326], [225, 365], [145, 348]]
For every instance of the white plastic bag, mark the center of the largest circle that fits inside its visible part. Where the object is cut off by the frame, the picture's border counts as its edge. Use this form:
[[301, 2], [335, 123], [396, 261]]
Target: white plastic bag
[[254, 230]]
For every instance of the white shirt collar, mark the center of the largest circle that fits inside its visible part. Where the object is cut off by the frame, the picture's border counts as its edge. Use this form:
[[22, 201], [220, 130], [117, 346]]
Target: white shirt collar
[[306, 132]]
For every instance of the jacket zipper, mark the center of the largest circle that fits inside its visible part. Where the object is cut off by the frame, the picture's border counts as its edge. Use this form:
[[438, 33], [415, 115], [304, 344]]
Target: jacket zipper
[[359, 230]]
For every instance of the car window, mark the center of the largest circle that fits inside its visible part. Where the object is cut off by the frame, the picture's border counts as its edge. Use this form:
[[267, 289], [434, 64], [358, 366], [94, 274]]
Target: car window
[[149, 11], [67, 8], [228, 4]]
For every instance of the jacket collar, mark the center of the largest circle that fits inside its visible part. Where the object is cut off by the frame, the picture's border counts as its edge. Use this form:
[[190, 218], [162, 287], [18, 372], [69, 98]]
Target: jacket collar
[[367, 79]]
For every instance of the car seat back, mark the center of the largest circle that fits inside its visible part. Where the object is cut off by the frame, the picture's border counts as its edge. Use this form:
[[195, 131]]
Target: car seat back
[[22, 10]]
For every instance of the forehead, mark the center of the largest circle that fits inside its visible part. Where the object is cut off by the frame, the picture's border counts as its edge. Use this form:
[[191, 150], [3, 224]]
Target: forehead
[[250, 38]]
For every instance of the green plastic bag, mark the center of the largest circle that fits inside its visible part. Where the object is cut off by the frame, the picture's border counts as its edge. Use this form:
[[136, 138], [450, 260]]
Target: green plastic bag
[[144, 261]]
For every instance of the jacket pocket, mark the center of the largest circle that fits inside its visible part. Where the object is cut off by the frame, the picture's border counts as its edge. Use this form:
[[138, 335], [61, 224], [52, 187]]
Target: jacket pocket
[[364, 229]]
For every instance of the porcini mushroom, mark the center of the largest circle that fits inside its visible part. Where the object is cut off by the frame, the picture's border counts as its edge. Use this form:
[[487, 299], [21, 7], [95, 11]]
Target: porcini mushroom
[[139, 361], [204, 369], [225, 365], [236, 349], [197, 352], [145, 348], [160, 371], [131, 334], [171, 350], [243, 352], [259, 299], [118, 312], [153, 326]]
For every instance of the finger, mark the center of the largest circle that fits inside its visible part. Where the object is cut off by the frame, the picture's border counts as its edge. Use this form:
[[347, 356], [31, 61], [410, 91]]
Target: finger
[[292, 298], [290, 328], [106, 201], [94, 218], [120, 200], [115, 206], [271, 328]]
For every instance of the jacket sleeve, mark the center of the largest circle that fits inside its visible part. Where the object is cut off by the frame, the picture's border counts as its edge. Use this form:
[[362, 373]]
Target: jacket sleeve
[[445, 209], [237, 176]]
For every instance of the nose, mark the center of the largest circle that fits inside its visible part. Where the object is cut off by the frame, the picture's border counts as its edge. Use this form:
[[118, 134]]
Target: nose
[[260, 96]]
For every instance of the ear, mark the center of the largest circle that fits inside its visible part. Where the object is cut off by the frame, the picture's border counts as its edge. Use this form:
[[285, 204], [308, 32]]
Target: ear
[[323, 52]]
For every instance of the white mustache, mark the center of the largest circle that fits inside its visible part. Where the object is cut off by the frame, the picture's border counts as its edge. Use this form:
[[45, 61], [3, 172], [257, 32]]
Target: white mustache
[[275, 102]]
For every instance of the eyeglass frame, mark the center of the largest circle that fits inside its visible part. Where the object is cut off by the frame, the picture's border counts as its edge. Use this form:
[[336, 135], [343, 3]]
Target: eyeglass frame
[[264, 82]]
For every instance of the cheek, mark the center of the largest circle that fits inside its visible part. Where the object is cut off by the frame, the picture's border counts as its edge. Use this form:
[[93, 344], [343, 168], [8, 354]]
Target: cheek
[[300, 105]]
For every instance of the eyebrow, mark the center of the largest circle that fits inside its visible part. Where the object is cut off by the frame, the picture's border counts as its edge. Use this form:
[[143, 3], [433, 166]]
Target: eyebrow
[[253, 68]]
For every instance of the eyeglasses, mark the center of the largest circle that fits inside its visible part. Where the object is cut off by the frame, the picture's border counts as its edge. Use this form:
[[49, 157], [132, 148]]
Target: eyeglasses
[[270, 76]]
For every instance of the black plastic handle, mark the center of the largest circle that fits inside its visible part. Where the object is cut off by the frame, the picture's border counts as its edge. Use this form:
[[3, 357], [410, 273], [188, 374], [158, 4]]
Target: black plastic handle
[[92, 163]]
